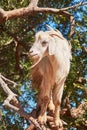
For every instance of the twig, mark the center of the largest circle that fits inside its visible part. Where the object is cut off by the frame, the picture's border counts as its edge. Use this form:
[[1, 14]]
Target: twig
[[5, 87], [72, 22], [8, 80], [74, 6]]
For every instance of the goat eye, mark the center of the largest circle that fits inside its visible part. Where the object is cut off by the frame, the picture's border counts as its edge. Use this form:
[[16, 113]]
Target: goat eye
[[44, 43]]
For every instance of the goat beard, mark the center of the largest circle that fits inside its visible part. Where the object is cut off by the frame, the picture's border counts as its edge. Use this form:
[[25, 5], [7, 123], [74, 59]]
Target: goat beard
[[36, 63]]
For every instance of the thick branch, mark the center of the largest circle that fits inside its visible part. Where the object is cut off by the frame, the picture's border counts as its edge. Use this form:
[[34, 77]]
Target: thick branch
[[32, 8], [3, 15], [30, 11]]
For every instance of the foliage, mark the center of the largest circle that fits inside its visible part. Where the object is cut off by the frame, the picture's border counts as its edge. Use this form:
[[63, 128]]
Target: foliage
[[25, 28]]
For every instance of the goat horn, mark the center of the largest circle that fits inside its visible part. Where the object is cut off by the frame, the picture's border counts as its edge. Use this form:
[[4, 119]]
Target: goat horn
[[49, 28], [55, 32], [35, 64]]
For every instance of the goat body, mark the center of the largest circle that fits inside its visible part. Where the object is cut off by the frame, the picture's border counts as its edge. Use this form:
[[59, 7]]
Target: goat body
[[51, 56]]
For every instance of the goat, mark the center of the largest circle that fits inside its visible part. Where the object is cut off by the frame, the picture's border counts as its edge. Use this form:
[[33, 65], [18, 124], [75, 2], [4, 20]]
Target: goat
[[51, 56]]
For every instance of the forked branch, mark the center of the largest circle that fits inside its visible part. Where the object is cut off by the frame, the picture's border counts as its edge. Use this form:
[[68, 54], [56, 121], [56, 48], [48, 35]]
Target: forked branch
[[33, 9], [12, 98]]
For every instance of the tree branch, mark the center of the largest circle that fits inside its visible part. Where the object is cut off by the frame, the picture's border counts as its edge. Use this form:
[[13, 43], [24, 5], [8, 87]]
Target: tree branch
[[20, 43], [26, 11], [74, 112], [17, 57], [17, 107], [33, 3], [78, 112], [8, 80], [25, 45], [5, 87], [32, 8], [72, 22], [74, 6]]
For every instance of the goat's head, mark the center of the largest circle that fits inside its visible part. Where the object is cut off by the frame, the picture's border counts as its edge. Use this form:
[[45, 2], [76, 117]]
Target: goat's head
[[44, 45]]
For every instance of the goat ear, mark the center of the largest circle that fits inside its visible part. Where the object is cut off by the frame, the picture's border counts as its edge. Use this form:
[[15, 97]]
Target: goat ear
[[52, 47]]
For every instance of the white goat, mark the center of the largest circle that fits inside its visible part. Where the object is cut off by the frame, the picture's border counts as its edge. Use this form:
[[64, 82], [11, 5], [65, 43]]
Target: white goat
[[51, 56]]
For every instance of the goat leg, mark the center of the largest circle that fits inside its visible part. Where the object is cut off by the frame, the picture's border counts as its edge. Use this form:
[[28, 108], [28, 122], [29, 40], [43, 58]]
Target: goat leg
[[57, 95], [43, 101]]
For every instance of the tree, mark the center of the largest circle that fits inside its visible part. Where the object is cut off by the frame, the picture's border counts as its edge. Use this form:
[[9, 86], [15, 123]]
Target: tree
[[18, 21]]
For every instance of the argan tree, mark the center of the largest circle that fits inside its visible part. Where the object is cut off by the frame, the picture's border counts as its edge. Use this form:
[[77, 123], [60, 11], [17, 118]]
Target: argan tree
[[19, 21]]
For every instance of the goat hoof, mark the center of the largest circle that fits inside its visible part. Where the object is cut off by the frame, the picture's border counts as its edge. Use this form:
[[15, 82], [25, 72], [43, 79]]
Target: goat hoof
[[58, 123], [42, 119]]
